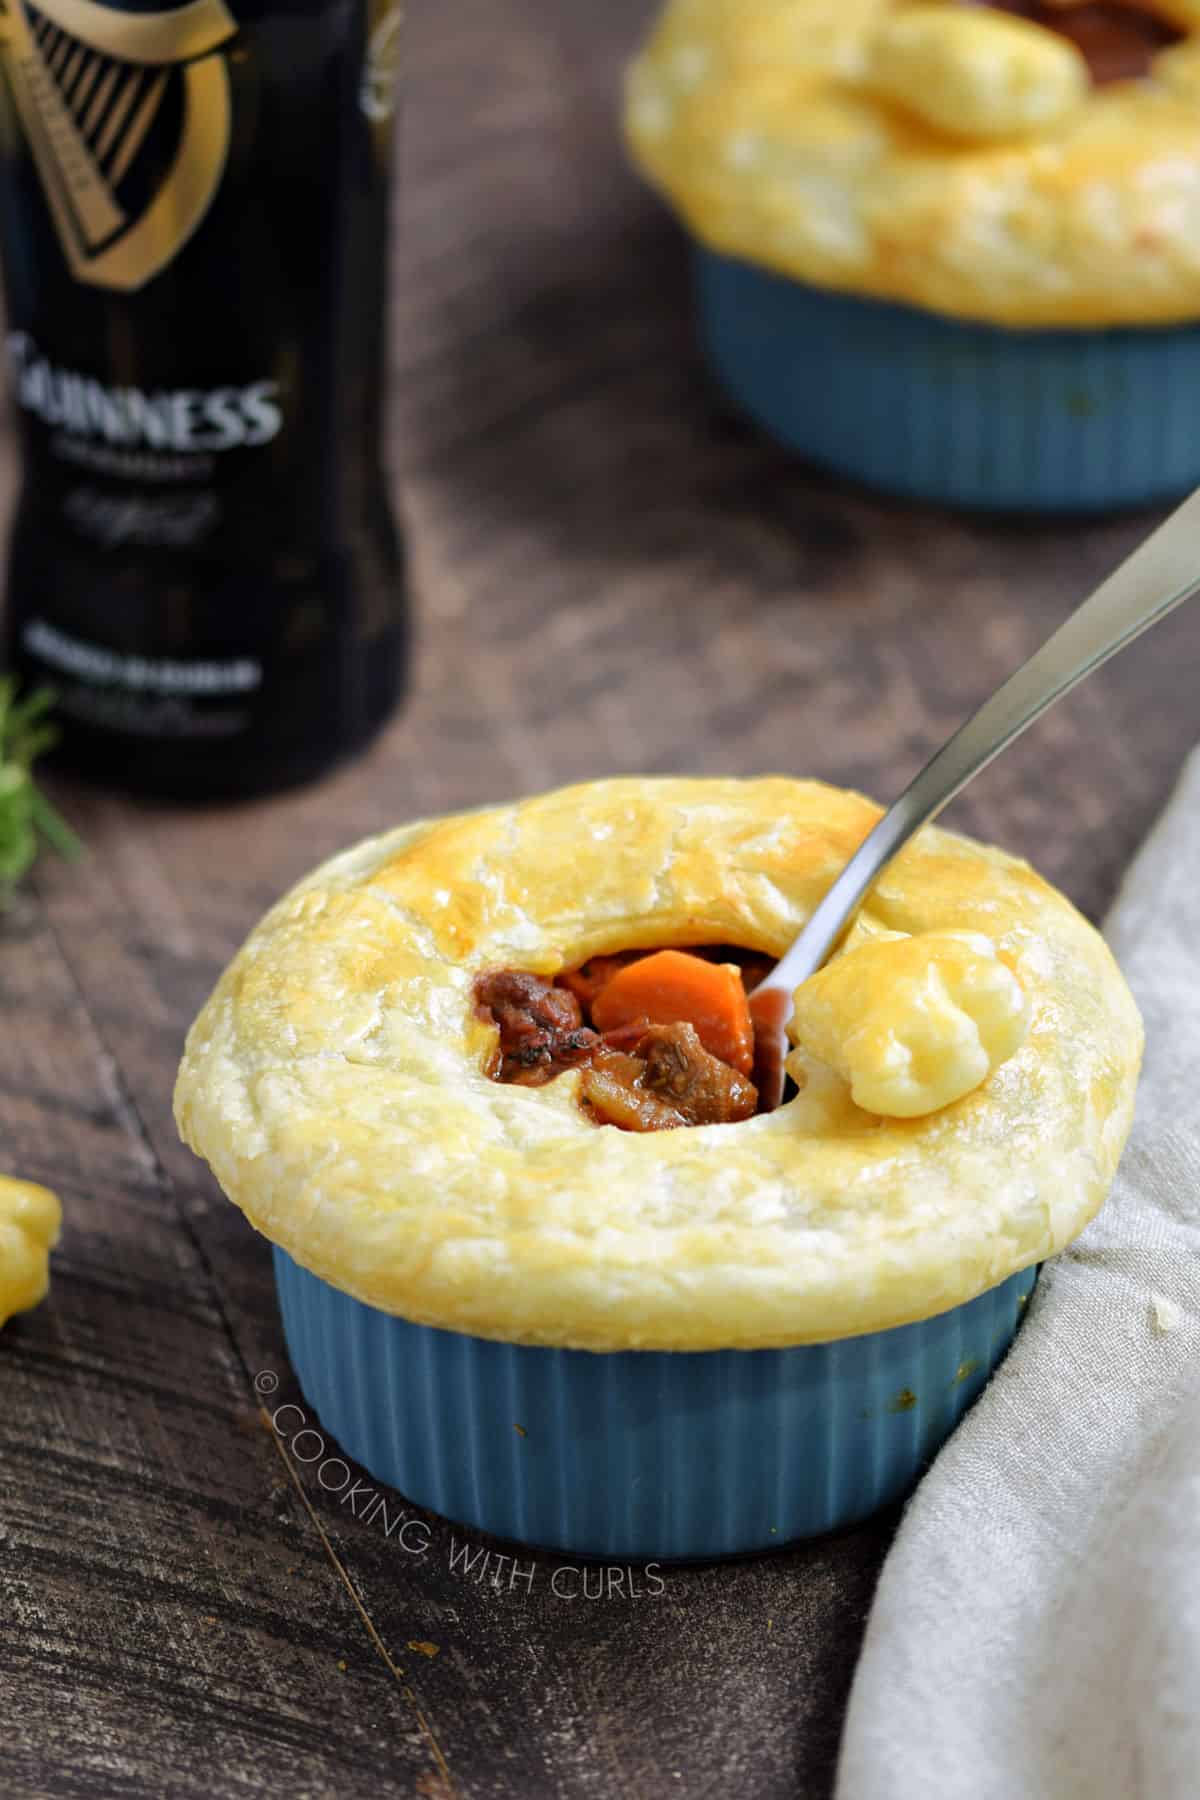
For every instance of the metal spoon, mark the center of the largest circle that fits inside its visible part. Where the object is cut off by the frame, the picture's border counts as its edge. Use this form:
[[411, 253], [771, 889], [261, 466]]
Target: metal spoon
[[1159, 575]]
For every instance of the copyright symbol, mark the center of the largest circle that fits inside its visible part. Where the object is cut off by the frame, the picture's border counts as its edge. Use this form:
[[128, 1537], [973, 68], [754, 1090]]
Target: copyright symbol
[[266, 1381]]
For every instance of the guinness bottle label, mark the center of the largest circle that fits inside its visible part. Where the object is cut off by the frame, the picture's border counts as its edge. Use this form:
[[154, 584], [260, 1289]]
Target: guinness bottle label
[[194, 211]]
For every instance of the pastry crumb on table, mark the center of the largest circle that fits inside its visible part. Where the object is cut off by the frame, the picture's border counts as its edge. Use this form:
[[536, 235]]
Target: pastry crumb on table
[[30, 1220]]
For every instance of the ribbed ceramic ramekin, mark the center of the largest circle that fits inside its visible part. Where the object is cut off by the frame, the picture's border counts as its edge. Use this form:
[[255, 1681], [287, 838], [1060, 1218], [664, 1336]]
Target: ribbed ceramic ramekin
[[640, 1454], [964, 414]]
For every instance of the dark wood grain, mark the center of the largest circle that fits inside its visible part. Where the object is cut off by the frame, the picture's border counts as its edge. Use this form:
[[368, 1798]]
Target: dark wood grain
[[610, 573]]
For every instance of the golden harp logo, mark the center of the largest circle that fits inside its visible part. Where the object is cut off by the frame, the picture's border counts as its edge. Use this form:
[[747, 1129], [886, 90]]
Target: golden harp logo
[[127, 115]]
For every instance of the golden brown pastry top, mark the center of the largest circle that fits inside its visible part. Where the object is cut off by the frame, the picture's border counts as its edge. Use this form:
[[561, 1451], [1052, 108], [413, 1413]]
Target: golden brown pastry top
[[336, 1081], [951, 156]]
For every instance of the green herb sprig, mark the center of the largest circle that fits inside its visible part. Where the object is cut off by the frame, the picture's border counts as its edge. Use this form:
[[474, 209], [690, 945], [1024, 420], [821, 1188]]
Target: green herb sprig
[[26, 816]]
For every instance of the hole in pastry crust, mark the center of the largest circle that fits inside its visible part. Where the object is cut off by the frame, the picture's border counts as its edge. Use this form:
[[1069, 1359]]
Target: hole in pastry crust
[[641, 1070]]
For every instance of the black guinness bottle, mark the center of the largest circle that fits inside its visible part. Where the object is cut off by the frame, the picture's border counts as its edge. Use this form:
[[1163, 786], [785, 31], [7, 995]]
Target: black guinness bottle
[[193, 225]]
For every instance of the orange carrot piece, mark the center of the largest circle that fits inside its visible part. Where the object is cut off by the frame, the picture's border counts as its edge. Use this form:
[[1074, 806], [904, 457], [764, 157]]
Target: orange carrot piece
[[672, 987]]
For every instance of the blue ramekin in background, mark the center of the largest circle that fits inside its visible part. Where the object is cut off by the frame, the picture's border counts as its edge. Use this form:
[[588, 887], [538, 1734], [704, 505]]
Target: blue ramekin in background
[[962, 414], [641, 1454]]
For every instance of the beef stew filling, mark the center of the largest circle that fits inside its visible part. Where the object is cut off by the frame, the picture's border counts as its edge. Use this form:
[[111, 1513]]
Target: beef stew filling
[[663, 1037]]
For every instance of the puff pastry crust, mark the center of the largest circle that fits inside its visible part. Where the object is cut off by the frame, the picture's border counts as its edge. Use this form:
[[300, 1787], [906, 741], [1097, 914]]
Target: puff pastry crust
[[950, 157], [335, 1081]]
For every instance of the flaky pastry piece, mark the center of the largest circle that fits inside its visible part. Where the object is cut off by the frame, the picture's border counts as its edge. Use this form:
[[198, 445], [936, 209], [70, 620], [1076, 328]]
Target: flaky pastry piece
[[337, 1081], [913, 1023], [30, 1221]]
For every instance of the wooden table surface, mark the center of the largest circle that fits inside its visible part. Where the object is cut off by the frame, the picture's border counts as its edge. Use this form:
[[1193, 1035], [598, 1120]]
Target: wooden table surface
[[610, 574]]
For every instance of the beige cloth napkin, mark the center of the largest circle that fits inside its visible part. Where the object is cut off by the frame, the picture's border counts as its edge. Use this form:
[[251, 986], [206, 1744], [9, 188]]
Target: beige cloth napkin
[[1036, 1630]]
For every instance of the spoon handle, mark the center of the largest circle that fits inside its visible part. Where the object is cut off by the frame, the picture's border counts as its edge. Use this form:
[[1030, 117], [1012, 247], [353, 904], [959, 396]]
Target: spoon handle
[[1159, 575]]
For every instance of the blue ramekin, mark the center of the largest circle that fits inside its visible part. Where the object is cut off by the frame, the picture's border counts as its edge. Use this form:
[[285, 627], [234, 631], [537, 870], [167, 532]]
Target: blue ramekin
[[640, 1454], [963, 414]]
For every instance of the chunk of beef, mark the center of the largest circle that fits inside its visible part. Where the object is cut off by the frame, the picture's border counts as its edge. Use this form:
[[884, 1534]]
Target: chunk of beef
[[701, 1088], [541, 1026], [612, 1087]]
